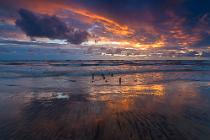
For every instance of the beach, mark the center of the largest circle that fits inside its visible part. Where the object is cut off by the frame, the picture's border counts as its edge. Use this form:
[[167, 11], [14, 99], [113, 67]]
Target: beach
[[105, 100]]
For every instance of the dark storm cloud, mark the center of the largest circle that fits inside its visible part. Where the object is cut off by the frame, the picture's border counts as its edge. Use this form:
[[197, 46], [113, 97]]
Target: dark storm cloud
[[36, 25]]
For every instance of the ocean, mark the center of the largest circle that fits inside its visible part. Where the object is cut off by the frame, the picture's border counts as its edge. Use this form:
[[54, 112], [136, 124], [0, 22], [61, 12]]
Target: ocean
[[105, 100]]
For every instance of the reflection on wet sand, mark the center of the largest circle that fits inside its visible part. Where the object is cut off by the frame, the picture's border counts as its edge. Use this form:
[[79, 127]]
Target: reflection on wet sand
[[141, 107], [135, 112], [157, 90]]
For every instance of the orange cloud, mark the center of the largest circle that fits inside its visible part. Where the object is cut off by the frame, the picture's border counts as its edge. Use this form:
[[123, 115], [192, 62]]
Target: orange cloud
[[53, 7], [146, 32]]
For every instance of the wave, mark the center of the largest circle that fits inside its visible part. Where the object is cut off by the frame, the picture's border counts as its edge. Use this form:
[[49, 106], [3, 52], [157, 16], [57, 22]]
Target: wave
[[108, 62]]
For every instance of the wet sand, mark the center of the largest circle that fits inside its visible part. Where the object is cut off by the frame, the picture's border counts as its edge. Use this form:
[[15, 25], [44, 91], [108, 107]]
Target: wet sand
[[155, 105]]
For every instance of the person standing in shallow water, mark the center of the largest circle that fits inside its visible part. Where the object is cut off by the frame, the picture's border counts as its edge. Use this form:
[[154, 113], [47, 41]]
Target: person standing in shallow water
[[103, 76], [120, 81], [93, 77]]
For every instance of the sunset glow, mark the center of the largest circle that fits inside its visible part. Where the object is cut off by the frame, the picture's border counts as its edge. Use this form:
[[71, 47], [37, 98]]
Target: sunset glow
[[137, 25]]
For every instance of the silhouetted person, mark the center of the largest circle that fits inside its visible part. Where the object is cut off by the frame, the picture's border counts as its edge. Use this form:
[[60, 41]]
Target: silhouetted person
[[120, 80], [93, 76], [103, 76], [112, 74]]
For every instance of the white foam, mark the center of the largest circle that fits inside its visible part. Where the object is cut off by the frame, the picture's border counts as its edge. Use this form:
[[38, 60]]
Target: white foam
[[60, 95]]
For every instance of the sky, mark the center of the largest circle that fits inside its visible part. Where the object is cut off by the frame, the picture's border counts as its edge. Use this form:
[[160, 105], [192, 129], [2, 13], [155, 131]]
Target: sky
[[178, 28]]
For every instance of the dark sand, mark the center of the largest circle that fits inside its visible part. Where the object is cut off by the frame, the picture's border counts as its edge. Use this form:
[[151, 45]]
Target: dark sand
[[46, 103]]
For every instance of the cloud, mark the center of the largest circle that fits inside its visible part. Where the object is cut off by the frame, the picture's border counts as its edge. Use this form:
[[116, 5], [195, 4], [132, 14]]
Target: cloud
[[158, 23], [38, 25]]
